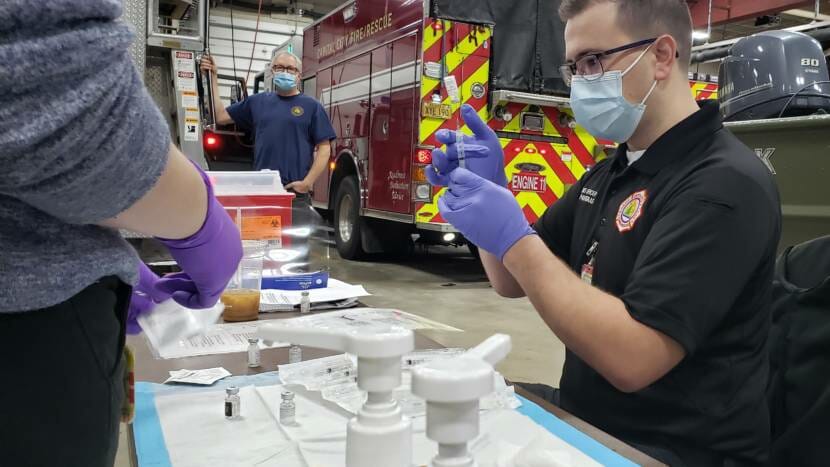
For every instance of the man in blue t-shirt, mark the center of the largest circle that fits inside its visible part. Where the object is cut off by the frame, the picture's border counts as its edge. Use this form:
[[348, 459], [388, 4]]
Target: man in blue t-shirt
[[289, 127], [292, 134]]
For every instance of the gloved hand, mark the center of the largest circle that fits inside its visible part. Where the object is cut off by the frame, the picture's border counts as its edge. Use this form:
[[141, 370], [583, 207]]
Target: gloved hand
[[144, 297], [488, 215], [483, 154], [208, 258]]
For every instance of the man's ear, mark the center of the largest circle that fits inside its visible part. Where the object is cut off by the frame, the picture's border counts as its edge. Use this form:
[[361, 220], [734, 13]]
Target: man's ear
[[665, 49]]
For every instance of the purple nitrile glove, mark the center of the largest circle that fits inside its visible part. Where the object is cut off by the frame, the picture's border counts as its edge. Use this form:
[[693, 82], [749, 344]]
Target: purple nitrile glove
[[483, 154], [144, 297], [488, 215], [208, 258]]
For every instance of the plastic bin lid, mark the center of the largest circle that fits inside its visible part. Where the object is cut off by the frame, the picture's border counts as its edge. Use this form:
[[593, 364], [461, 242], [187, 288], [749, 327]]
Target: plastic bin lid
[[265, 182]]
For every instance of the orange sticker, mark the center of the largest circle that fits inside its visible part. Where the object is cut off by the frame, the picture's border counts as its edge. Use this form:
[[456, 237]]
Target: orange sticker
[[262, 228]]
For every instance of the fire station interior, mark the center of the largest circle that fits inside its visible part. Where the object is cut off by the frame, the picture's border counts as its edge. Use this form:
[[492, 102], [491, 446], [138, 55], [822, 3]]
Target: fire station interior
[[390, 75]]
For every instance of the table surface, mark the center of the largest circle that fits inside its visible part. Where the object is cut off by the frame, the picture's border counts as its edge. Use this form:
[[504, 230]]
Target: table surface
[[149, 368]]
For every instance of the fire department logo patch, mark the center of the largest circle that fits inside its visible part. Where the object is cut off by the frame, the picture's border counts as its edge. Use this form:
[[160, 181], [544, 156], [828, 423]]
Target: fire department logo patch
[[630, 210], [297, 111]]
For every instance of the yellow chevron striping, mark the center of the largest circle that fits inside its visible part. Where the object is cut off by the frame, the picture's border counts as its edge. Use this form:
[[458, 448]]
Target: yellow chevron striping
[[431, 125], [432, 36]]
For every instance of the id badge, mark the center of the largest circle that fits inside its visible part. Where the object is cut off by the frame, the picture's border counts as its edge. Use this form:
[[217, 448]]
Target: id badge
[[588, 273]]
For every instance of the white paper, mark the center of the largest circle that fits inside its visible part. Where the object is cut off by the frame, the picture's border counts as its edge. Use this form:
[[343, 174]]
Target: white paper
[[286, 300], [313, 420], [204, 377], [197, 434], [503, 435], [368, 318], [218, 339]]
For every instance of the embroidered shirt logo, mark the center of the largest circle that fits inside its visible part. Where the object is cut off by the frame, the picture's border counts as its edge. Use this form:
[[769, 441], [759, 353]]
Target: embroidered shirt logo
[[630, 210], [297, 111], [588, 195]]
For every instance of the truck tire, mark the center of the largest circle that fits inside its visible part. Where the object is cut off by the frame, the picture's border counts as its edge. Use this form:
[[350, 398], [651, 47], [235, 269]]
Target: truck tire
[[474, 250], [347, 221]]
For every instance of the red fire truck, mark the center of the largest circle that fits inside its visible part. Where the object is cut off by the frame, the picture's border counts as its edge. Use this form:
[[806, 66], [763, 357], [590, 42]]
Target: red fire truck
[[380, 68]]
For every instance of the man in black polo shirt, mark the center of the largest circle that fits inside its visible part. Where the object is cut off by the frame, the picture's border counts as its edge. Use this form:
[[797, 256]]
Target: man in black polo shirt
[[672, 241]]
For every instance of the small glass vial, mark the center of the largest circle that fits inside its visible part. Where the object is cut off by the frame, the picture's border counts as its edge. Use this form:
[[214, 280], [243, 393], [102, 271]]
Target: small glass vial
[[305, 302], [288, 409], [232, 403], [253, 353], [295, 354]]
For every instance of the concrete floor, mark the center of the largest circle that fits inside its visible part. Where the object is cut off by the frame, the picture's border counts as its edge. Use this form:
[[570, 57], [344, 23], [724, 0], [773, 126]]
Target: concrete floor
[[447, 284]]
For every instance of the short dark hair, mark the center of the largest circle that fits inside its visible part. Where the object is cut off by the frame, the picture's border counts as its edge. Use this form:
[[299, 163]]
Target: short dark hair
[[647, 18]]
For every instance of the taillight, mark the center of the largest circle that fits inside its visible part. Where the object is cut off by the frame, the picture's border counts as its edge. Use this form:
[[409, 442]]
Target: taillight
[[419, 174], [211, 141], [423, 156], [421, 190]]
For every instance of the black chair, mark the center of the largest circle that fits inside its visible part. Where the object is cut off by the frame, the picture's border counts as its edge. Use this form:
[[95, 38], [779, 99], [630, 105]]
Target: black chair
[[799, 387]]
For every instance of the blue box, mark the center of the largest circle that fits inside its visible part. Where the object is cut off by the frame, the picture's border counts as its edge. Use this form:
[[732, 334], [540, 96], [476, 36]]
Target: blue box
[[313, 280]]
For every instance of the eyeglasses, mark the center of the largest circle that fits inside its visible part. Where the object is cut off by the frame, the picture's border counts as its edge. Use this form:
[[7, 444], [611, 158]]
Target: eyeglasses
[[590, 66], [281, 69]]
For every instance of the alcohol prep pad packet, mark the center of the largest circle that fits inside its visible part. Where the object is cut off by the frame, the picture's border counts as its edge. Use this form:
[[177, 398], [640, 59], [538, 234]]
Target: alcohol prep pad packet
[[169, 322]]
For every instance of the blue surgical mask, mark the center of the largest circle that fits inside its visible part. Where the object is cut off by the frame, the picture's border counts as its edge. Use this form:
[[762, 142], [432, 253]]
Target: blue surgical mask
[[600, 107], [285, 81]]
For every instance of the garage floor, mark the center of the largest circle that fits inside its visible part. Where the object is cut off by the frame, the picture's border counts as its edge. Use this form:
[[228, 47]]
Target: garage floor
[[446, 284]]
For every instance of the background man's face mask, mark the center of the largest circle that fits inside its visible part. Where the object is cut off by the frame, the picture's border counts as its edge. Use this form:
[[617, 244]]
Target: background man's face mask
[[285, 81], [600, 107]]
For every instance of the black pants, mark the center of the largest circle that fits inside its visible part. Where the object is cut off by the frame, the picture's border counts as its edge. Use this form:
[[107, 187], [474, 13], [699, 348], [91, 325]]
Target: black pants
[[62, 380]]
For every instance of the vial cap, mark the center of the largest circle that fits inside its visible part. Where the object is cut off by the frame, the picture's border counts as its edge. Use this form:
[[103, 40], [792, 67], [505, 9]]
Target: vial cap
[[253, 340], [232, 390], [287, 395], [304, 293]]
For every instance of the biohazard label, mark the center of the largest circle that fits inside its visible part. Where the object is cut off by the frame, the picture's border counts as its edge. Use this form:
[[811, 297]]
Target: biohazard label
[[262, 228]]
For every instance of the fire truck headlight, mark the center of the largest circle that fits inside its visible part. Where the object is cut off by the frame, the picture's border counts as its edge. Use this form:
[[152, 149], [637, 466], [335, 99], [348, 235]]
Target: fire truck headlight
[[449, 237]]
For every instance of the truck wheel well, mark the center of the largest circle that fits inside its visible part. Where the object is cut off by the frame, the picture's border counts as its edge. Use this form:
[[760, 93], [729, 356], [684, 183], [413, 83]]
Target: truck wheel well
[[344, 168]]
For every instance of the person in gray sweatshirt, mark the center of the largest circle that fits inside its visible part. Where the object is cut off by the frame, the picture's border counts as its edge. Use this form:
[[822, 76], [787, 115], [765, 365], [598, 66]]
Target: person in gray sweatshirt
[[84, 152]]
